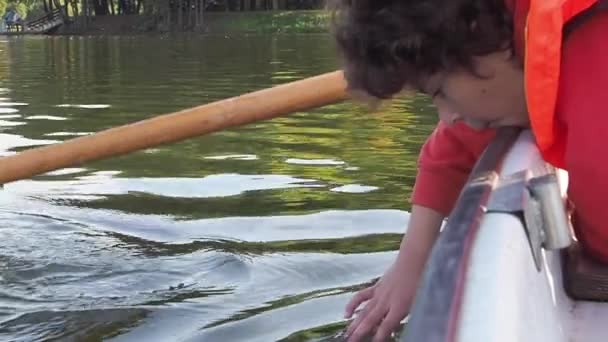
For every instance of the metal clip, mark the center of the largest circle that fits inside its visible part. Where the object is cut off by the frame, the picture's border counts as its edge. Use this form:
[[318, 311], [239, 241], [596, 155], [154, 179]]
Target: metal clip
[[556, 227], [533, 223], [535, 198]]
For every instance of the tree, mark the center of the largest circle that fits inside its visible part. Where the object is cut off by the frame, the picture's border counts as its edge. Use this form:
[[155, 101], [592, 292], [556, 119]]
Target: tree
[[3, 5], [23, 7], [101, 7]]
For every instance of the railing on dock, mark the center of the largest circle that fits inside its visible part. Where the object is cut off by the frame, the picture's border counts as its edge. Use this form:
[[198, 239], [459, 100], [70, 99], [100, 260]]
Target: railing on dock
[[46, 23]]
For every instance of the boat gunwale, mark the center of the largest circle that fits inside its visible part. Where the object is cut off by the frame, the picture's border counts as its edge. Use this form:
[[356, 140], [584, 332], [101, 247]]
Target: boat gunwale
[[435, 314]]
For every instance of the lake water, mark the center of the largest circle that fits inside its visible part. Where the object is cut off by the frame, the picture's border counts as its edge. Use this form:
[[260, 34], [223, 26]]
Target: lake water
[[260, 233]]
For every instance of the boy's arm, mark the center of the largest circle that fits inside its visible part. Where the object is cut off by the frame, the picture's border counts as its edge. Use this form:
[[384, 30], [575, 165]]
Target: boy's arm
[[446, 160]]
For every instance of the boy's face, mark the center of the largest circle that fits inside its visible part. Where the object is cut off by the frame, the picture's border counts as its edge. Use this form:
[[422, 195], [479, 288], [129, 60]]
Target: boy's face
[[495, 99]]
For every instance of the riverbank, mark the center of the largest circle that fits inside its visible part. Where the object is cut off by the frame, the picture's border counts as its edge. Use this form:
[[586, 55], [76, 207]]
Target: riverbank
[[314, 21], [258, 22]]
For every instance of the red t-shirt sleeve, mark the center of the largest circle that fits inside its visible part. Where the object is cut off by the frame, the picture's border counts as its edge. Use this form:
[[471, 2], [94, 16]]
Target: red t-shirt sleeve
[[583, 108], [445, 162]]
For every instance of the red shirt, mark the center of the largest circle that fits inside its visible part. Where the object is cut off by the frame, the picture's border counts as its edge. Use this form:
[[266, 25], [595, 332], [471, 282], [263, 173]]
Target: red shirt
[[450, 152]]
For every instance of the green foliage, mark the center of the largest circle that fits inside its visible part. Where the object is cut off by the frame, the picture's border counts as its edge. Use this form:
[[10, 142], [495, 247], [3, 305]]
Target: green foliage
[[23, 7], [314, 21], [3, 5]]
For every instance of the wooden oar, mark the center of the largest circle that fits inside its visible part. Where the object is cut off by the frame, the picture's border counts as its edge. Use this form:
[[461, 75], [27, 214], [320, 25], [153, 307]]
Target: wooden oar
[[260, 105]]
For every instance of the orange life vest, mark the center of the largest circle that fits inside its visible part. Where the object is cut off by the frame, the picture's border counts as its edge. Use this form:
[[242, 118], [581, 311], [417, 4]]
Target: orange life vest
[[538, 30]]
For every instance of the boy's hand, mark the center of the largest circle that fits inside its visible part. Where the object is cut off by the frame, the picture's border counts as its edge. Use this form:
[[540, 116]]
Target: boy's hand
[[388, 302]]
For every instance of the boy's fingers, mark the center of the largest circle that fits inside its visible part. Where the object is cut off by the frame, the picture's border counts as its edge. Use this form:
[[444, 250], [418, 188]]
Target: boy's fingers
[[361, 316], [359, 298], [390, 322], [358, 319], [368, 324]]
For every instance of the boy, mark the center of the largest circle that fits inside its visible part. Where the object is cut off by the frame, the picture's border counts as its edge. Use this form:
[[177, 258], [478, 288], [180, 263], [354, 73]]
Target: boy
[[470, 56]]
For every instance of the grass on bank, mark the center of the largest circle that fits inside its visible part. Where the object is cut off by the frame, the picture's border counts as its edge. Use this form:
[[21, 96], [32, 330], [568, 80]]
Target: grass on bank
[[310, 21]]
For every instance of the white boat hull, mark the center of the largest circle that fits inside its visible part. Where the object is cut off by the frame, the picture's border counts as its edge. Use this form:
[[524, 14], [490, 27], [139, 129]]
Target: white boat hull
[[501, 295], [506, 298]]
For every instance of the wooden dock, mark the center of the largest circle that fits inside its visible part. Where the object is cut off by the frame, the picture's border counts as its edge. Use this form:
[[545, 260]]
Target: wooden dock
[[42, 25]]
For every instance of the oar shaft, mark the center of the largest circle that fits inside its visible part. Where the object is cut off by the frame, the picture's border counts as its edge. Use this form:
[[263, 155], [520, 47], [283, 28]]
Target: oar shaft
[[260, 105]]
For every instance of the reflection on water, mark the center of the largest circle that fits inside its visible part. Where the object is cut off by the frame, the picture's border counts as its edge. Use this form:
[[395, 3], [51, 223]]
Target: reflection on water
[[260, 233], [12, 141], [103, 184]]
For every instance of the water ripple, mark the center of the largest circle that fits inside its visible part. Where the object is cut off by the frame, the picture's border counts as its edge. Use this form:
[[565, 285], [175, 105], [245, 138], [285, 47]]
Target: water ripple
[[297, 161], [258, 233], [46, 117], [84, 106], [222, 185], [355, 188]]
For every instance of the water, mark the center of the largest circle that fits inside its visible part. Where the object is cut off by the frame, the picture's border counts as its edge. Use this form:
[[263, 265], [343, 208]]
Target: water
[[260, 233]]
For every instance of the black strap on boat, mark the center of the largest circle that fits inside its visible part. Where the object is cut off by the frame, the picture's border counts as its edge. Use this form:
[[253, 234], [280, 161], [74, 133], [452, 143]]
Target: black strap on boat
[[436, 308]]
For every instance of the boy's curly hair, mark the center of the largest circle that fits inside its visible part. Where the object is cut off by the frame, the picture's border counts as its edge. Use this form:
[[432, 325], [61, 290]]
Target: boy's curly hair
[[389, 45]]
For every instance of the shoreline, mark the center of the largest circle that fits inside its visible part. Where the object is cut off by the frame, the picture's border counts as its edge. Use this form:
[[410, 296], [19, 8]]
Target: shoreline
[[215, 23]]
